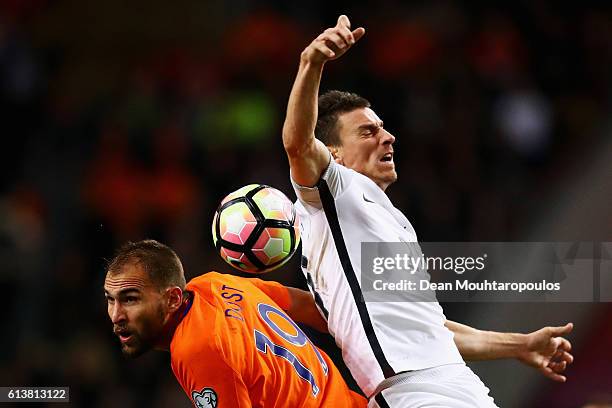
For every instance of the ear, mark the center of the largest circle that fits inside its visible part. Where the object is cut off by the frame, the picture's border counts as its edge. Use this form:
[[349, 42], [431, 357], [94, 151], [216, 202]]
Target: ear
[[174, 298], [336, 153]]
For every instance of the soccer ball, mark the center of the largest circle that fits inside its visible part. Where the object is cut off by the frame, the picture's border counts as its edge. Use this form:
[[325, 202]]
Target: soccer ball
[[255, 229]]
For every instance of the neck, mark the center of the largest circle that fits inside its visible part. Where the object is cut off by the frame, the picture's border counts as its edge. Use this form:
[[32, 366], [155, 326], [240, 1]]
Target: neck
[[172, 323], [383, 186]]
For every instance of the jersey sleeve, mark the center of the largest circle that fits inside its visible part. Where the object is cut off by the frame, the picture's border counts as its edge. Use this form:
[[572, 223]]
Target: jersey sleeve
[[277, 292], [336, 178], [210, 381]]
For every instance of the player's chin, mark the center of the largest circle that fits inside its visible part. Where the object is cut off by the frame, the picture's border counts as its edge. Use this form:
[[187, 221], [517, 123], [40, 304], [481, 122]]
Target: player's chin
[[133, 350], [389, 175]]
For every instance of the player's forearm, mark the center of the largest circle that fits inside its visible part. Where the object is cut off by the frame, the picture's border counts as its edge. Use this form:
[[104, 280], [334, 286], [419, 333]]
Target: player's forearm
[[301, 119], [474, 344]]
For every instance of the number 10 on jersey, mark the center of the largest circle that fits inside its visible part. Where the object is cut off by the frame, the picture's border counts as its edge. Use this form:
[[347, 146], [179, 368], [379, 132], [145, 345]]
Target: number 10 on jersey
[[262, 342]]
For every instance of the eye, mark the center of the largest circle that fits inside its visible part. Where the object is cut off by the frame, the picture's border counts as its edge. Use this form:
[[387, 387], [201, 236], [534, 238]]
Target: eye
[[131, 300], [370, 131], [110, 300]]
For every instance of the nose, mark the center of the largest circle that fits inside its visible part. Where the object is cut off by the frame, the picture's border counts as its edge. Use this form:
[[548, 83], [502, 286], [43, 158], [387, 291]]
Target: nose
[[386, 138], [116, 313]]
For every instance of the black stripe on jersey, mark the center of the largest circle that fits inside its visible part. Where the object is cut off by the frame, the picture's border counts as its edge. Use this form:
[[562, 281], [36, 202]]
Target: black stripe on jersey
[[380, 400], [329, 206], [317, 297]]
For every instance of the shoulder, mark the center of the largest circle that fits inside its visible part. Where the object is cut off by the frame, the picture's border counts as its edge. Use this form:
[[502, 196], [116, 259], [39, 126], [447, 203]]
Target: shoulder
[[203, 280], [212, 283], [205, 334], [196, 333]]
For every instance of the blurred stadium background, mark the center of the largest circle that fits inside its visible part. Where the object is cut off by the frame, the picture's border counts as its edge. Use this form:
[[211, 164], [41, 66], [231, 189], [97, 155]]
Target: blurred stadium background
[[124, 120]]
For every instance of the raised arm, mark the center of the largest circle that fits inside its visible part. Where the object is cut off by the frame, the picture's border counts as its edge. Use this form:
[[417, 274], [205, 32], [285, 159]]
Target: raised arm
[[543, 349], [308, 157]]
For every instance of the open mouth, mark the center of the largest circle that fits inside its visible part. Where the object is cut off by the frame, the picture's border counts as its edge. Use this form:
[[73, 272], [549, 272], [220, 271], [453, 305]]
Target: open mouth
[[124, 335], [387, 158]]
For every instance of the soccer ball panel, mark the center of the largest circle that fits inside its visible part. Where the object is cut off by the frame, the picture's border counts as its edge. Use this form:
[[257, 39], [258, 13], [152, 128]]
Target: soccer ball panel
[[237, 259], [273, 245], [237, 223], [241, 192], [273, 204]]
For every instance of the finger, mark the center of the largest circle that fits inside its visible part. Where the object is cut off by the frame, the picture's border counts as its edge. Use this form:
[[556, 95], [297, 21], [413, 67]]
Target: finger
[[347, 35], [343, 21], [561, 330], [558, 367], [562, 357], [567, 357], [552, 375], [324, 49], [336, 38], [358, 33], [564, 344], [557, 355], [559, 343]]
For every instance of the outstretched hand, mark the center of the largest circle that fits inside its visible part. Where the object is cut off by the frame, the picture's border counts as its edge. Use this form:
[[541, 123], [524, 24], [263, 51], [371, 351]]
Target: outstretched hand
[[547, 351], [333, 42]]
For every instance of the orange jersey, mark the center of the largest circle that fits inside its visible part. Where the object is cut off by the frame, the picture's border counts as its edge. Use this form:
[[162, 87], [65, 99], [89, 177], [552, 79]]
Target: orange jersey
[[236, 347]]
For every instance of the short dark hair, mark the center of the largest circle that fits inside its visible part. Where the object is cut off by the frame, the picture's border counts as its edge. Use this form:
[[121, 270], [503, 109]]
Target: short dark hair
[[331, 104], [159, 261]]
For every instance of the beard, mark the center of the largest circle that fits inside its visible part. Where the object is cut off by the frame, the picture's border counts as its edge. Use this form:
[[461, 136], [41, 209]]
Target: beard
[[146, 338], [136, 348]]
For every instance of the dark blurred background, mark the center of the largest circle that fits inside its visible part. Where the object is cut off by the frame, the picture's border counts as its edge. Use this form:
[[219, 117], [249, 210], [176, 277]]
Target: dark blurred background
[[125, 120]]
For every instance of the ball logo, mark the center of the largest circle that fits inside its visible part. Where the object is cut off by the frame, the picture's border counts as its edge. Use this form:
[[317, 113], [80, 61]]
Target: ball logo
[[207, 398]]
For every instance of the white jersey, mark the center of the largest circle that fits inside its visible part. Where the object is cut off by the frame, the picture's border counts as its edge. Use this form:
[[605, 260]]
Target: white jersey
[[377, 339]]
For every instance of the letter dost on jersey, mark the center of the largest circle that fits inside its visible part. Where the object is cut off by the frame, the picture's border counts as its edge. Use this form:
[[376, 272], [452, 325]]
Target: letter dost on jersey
[[233, 301]]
